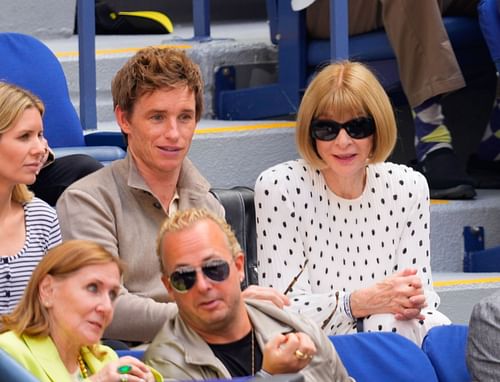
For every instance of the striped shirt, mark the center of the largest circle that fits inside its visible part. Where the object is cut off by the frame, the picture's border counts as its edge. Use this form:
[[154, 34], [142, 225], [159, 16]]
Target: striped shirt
[[42, 233]]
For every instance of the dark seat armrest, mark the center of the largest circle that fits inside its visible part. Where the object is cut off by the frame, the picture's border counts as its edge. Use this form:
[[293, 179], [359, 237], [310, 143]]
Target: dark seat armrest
[[240, 215]]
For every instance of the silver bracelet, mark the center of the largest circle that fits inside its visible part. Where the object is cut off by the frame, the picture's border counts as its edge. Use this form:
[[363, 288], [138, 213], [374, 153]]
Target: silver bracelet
[[346, 302]]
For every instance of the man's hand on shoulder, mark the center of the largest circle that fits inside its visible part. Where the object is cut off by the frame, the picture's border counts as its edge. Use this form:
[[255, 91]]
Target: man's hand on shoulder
[[266, 294]]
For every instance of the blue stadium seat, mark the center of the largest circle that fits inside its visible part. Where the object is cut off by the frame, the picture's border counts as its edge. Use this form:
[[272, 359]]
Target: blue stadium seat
[[30, 64], [139, 354], [489, 20], [12, 371], [382, 357], [446, 347]]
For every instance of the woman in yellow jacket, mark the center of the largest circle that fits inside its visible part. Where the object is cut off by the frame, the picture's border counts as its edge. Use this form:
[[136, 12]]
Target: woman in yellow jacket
[[55, 330]]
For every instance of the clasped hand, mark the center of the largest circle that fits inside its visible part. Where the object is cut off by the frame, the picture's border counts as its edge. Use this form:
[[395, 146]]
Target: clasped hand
[[401, 294], [288, 353]]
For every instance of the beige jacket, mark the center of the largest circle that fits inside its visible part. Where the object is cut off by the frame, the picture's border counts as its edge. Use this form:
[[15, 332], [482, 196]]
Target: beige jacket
[[178, 353], [115, 208]]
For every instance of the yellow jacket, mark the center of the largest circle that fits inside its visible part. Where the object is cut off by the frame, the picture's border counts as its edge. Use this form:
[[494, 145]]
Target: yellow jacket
[[39, 356]]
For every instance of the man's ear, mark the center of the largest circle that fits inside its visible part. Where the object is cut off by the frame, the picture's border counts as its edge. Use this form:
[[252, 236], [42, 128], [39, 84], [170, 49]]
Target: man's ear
[[166, 282], [46, 290], [239, 262], [122, 119]]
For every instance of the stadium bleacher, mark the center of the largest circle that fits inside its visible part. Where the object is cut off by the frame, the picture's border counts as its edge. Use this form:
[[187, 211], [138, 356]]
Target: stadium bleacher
[[233, 153], [227, 151]]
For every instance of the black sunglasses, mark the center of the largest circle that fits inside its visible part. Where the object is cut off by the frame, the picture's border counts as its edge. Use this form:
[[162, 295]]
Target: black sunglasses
[[328, 129], [184, 278]]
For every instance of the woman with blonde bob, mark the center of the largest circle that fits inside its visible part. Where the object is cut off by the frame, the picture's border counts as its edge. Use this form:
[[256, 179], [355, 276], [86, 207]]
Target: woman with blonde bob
[[55, 330], [344, 233], [28, 226]]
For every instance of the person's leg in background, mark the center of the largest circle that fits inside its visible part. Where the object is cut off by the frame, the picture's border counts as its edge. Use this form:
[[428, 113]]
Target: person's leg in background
[[428, 70], [53, 179]]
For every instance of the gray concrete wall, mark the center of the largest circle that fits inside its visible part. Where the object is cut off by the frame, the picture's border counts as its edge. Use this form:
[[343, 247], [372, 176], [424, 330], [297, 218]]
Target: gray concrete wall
[[42, 18], [236, 159], [448, 221], [463, 292]]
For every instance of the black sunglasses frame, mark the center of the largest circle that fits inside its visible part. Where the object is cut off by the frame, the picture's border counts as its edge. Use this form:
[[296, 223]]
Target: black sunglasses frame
[[356, 128], [215, 270]]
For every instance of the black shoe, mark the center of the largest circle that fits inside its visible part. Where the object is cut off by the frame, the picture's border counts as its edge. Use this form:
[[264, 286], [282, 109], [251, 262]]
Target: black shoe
[[485, 173], [446, 178]]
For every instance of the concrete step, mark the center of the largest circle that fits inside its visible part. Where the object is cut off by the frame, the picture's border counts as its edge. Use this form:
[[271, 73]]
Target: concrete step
[[48, 19], [460, 291], [245, 43], [448, 219]]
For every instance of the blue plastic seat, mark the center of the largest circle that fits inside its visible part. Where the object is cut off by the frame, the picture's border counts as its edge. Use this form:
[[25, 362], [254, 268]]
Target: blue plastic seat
[[382, 357], [12, 371], [489, 20], [30, 64], [446, 347]]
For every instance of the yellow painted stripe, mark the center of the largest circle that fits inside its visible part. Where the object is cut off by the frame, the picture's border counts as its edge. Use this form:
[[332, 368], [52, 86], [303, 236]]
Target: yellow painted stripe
[[439, 201], [235, 129], [485, 280], [121, 50]]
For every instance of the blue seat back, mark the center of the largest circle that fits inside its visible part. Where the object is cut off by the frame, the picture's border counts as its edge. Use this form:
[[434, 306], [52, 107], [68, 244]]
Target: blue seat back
[[382, 357], [139, 354], [489, 16], [12, 371], [446, 348], [29, 63]]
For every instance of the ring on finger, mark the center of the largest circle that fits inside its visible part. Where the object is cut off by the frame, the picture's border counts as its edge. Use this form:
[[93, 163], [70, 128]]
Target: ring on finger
[[123, 378], [124, 369], [301, 355]]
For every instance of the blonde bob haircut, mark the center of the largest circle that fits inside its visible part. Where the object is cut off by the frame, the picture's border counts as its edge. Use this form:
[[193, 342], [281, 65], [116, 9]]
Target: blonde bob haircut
[[14, 101], [30, 317], [186, 219], [346, 88]]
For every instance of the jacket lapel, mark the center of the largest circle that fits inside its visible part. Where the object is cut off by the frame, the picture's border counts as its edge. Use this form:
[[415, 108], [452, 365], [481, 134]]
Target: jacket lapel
[[45, 352]]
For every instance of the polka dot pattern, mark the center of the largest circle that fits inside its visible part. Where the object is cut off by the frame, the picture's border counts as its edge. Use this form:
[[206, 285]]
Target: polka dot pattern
[[350, 244]]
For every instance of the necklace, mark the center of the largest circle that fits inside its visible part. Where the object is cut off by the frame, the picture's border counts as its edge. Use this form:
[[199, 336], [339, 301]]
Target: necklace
[[83, 368], [253, 351]]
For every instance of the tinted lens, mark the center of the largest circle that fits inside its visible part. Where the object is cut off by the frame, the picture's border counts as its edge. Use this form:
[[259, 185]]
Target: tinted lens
[[325, 129], [183, 280], [328, 130], [360, 128], [217, 270]]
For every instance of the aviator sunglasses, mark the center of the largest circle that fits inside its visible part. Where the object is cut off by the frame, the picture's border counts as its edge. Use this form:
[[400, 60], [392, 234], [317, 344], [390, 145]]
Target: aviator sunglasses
[[328, 129], [184, 278]]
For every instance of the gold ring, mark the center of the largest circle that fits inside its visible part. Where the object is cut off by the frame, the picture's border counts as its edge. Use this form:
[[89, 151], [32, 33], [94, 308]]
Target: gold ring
[[301, 355], [123, 378]]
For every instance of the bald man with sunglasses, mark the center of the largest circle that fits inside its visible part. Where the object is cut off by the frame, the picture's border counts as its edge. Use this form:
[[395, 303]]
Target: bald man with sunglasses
[[216, 333]]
